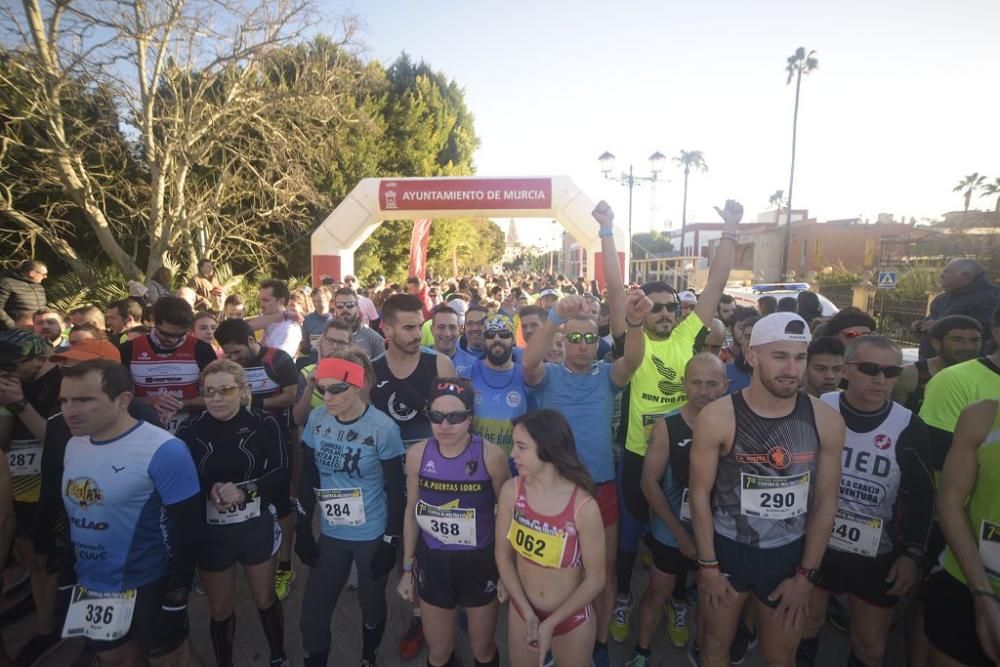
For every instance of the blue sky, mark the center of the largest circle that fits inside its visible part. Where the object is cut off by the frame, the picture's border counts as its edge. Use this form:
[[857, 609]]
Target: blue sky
[[904, 102]]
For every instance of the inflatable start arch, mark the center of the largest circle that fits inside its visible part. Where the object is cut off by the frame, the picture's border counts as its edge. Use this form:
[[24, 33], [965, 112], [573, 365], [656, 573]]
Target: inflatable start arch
[[376, 199]]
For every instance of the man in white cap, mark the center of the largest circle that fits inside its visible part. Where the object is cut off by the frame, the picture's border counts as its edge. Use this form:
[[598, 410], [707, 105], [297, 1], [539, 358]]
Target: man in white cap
[[688, 301], [547, 298], [765, 475]]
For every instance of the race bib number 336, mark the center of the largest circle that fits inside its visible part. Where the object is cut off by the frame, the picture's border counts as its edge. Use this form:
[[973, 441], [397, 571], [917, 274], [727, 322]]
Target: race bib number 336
[[99, 616], [774, 497]]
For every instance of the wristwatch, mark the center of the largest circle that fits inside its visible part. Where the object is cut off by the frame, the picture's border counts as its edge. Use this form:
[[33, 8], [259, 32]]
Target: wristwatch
[[811, 574], [17, 407]]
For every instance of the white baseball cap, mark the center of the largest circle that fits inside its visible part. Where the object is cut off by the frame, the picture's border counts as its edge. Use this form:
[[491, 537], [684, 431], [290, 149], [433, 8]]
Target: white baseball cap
[[778, 328], [687, 296], [548, 292], [459, 307]]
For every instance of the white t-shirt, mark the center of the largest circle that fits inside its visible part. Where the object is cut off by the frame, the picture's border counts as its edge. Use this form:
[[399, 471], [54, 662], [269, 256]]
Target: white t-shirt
[[284, 335]]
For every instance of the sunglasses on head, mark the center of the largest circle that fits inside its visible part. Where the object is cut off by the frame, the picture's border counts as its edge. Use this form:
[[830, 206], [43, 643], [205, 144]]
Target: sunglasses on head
[[504, 334], [854, 334], [333, 389], [588, 338], [670, 307], [457, 417], [872, 369], [225, 391]]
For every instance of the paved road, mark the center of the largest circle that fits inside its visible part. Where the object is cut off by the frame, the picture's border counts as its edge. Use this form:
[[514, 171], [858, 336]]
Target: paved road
[[252, 651]]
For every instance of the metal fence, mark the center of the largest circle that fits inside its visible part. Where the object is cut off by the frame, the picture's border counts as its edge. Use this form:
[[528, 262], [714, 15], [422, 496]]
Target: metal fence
[[893, 316], [842, 296]]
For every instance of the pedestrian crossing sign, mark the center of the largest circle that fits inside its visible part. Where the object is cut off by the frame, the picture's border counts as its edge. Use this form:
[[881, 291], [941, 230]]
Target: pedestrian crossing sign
[[887, 280]]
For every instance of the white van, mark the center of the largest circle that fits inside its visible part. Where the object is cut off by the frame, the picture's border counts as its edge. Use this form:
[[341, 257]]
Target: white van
[[747, 296]]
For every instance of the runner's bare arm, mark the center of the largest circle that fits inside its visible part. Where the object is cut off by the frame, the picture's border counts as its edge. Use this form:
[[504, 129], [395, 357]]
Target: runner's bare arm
[[613, 281], [411, 532], [504, 553], [445, 368], [496, 466], [826, 491], [590, 528], [905, 385], [654, 467], [637, 306], [712, 437], [718, 272], [961, 468]]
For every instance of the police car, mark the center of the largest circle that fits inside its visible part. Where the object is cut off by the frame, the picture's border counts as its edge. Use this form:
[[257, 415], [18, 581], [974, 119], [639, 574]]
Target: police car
[[747, 296]]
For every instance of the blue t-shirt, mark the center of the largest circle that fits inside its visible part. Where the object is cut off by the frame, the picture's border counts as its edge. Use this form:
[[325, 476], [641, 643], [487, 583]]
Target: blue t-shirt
[[738, 379], [500, 397], [313, 327], [114, 492], [463, 360], [587, 400], [349, 455]]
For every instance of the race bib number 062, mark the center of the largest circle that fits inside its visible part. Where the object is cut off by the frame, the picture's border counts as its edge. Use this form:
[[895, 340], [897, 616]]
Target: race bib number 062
[[769, 497]]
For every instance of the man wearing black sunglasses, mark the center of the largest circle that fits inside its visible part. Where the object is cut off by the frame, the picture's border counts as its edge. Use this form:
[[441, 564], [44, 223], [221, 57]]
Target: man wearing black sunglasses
[[886, 505], [584, 390], [501, 393], [657, 389]]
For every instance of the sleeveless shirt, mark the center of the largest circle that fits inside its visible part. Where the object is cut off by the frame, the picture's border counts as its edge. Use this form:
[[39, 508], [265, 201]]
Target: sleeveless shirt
[[404, 399], [869, 483], [763, 486], [546, 541], [455, 509]]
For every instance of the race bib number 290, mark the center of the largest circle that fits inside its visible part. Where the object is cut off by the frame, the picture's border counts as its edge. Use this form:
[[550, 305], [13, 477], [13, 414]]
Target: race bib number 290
[[99, 616], [769, 497]]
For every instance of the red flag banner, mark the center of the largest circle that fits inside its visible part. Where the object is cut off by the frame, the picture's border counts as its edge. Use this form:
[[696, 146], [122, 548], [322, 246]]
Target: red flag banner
[[418, 247]]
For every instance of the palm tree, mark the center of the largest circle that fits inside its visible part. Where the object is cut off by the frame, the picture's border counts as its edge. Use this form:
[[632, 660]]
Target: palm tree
[[689, 159], [798, 63], [776, 200], [990, 189]]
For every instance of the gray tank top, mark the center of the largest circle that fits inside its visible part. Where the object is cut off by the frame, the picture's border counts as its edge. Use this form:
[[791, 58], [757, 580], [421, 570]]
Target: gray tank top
[[763, 486]]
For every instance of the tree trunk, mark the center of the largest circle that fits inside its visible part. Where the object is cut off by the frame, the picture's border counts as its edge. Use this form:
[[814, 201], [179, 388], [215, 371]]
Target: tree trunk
[[791, 181]]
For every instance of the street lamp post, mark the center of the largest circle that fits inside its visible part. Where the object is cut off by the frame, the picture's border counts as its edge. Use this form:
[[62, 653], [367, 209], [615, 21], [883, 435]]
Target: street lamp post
[[630, 180]]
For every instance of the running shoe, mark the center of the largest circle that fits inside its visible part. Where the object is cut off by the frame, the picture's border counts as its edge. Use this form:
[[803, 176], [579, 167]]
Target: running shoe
[[621, 619], [283, 583], [638, 661], [37, 648], [412, 642], [743, 641], [550, 660], [600, 657], [837, 614], [677, 624]]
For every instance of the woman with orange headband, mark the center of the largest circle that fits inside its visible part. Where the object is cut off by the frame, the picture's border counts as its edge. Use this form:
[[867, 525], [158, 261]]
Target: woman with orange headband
[[352, 467]]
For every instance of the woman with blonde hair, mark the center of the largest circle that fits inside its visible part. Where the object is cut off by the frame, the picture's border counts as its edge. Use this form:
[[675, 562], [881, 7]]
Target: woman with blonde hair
[[242, 463]]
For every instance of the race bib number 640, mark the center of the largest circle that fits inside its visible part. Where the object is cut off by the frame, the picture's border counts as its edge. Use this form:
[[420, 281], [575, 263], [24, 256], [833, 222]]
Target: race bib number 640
[[769, 497]]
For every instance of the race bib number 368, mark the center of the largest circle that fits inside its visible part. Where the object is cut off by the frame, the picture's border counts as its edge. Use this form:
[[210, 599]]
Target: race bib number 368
[[99, 616], [769, 497], [456, 525]]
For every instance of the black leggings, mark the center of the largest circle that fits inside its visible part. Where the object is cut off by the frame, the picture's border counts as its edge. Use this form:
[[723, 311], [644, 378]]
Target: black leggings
[[327, 580]]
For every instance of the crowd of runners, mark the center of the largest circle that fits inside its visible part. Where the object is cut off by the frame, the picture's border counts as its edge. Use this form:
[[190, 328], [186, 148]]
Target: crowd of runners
[[500, 444]]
